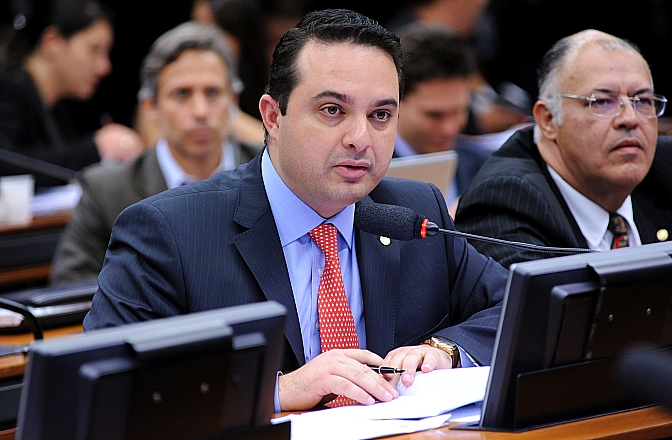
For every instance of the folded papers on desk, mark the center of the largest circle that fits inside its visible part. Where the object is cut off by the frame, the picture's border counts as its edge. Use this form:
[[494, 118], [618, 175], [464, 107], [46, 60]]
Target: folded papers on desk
[[55, 199], [434, 399], [9, 318]]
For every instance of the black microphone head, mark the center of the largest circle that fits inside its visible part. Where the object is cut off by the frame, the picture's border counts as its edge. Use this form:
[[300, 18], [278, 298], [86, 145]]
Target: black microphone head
[[393, 221]]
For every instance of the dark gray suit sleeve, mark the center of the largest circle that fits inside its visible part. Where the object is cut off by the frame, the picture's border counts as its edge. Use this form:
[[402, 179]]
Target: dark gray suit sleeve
[[81, 249]]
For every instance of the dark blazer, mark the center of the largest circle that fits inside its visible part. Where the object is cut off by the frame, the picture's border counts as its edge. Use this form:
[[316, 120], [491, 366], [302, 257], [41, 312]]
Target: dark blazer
[[471, 156], [106, 190], [214, 244], [513, 197], [27, 127]]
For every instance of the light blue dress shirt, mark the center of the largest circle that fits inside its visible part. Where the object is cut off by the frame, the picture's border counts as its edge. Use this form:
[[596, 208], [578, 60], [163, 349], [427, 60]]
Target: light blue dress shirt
[[304, 259], [173, 173]]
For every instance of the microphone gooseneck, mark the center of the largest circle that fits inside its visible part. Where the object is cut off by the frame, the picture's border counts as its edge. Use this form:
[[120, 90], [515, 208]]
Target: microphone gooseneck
[[28, 316], [33, 165], [402, 223]]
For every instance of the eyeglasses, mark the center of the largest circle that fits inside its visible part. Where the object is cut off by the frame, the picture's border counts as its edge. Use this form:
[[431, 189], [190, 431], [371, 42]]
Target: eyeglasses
[[648, 105]]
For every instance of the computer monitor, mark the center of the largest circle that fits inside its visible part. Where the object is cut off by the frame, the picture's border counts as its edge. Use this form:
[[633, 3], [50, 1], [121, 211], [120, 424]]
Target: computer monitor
[[565, 323], [193, 376]]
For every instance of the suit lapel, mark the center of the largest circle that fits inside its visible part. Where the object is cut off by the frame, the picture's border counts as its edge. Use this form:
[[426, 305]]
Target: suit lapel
[[379, 269], [259, 245], [652, 220], [651, 198], [563, 211]]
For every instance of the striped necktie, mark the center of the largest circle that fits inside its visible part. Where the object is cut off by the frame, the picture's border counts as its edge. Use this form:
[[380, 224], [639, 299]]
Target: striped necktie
[[619, 227]]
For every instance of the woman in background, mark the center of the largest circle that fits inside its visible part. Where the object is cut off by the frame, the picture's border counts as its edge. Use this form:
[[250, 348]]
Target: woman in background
[[58, 49]]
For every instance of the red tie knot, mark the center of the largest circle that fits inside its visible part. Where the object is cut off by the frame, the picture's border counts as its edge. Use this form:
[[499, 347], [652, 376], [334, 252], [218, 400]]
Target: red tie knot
[[326, 238]]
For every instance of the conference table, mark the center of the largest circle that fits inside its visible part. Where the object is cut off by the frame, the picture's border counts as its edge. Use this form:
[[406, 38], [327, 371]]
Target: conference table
[[645, 423], [27, 250]]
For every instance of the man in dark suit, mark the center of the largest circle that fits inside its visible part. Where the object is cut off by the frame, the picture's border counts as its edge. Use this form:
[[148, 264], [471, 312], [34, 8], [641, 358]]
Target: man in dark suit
[[243, 236], [436, 106], [188, 79], [591, 157]]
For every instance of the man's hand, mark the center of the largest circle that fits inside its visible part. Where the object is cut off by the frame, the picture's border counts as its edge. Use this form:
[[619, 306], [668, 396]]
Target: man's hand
[[118, 143], [334, 373], [421, 357]]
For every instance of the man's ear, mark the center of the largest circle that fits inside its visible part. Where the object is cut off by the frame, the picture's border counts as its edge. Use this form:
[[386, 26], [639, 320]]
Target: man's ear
[[148, 109], [270, 115], [146, 121], [545, 120], [52, 41]]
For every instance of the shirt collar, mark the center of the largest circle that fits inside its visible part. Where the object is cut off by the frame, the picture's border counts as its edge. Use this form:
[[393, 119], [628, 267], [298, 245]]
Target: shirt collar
[[173, 173], [591, 217], [402, 148], [293, 217]]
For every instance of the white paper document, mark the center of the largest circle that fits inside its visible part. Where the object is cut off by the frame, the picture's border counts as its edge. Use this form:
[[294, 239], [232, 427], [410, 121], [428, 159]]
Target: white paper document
[[9, 318], [430, 402], [55, 199]]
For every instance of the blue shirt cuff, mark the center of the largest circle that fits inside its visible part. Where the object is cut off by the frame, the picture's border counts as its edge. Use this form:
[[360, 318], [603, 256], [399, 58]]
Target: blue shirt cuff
[[466, 360], [276, 395]]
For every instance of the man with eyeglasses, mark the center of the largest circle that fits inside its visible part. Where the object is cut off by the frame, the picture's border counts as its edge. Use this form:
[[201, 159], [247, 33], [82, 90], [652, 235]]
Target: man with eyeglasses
[[589, 173]]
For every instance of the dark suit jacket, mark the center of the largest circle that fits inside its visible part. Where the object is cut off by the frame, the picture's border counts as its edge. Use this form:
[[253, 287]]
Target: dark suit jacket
[[214, 243], [471, 157], [106, 190], [28, 128], [513, 197]]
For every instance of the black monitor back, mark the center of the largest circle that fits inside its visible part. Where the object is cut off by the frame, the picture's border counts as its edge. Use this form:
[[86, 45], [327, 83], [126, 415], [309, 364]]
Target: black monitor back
[[184, 377], [564, 324]]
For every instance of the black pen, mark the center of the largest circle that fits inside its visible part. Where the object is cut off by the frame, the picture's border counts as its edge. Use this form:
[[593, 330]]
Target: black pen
[[386, 370]]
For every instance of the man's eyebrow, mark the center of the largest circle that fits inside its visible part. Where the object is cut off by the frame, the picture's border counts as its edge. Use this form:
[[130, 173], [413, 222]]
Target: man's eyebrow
[[348, 99], [331, 94], [645, 90], [637, 92], [384, 102]]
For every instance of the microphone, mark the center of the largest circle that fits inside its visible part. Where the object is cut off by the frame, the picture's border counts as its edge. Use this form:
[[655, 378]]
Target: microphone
[[402, 223]]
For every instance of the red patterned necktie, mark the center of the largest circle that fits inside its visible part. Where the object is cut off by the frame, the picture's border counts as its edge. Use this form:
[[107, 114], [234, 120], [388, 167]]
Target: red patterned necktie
[[619, 227], [337, 326]]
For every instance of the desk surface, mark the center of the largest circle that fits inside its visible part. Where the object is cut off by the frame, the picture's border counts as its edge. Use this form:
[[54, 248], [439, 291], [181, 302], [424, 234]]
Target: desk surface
[[55, 220], [13, 365], [27, 275], [647, 423]]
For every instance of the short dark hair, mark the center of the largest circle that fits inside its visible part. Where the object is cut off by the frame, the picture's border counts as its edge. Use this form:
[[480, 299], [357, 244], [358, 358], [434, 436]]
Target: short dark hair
[[31, 19], [434, 52], [171, 44], [328, 26]]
